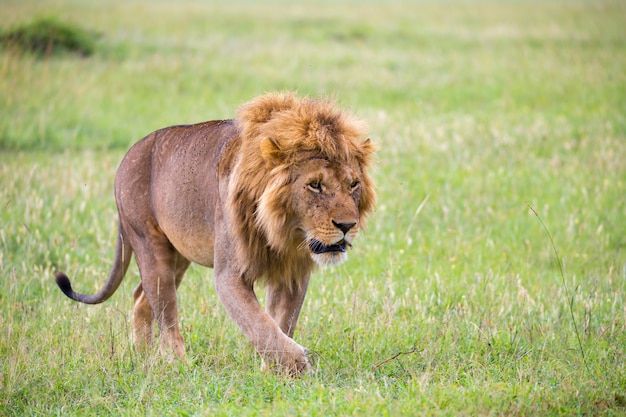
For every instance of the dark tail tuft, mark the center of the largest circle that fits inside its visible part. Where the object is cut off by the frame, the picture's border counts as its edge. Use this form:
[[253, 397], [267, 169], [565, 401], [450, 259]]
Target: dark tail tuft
[[64, 284]]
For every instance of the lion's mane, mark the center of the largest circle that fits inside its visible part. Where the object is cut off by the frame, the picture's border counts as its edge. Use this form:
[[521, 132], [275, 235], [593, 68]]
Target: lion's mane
[[277, 131]]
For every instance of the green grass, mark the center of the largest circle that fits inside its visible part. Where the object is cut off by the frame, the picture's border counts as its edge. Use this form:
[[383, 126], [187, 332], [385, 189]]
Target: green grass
[[452, 302]]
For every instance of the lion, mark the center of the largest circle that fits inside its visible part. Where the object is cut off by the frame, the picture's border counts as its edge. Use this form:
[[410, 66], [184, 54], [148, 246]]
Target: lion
[[263, 197]]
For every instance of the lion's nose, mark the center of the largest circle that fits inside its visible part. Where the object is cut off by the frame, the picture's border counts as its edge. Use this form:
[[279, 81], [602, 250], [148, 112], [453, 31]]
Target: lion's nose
[[344, 226]]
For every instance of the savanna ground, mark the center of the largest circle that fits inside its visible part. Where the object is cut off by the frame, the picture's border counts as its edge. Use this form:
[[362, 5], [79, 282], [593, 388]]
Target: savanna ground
[[453, 301]]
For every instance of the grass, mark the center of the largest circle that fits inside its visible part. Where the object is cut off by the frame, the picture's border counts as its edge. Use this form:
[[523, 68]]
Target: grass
[[452, 302]]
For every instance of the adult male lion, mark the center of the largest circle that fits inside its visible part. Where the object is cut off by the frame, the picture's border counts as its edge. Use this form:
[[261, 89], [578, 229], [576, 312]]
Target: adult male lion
[[265, 196]]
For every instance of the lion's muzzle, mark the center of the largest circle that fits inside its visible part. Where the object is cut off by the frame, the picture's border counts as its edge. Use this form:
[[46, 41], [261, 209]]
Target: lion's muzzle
[[318, 247]]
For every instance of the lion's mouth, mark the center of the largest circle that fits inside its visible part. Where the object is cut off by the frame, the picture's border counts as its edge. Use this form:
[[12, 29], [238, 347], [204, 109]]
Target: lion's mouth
[[318, 247]]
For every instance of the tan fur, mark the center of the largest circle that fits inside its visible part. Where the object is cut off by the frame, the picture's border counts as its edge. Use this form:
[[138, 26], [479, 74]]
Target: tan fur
[[263, 197]]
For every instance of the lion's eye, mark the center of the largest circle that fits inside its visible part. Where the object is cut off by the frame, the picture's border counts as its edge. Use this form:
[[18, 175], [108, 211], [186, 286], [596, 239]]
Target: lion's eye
[[355, 184], [315, 186]]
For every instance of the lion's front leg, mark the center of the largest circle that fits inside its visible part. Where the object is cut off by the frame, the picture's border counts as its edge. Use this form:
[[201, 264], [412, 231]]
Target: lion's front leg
[[278, 350], [284, 303]]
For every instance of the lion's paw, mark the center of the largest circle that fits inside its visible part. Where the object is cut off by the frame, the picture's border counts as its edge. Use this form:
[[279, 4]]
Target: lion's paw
[[291, 361]]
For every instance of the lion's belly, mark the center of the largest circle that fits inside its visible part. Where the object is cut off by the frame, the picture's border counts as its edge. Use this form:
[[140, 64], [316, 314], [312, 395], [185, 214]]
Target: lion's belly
[[198, 248]]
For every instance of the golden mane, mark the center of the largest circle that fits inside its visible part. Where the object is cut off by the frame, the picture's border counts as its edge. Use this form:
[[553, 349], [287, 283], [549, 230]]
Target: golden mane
[[275, 132], [299, 125]]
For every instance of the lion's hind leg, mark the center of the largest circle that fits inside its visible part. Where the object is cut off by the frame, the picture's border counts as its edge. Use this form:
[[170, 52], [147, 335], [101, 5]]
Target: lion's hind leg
[[161, 268], [142, 320]]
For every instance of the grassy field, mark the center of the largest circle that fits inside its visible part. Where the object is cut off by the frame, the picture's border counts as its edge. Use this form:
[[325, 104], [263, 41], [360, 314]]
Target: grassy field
[[453, 301]]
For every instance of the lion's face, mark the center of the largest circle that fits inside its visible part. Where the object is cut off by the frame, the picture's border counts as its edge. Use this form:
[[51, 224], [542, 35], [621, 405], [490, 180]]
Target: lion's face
[[325, 198]]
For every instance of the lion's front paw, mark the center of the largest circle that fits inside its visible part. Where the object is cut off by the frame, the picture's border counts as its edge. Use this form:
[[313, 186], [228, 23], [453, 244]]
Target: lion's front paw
[[292, 360]]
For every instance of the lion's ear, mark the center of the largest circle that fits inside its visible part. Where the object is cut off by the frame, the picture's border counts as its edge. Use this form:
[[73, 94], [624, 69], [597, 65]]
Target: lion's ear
[[368, 146], [367, 149], [270, 151]]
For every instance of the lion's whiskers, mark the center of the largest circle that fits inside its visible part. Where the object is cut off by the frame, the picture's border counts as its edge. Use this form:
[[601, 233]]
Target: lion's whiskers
[[304, 244]]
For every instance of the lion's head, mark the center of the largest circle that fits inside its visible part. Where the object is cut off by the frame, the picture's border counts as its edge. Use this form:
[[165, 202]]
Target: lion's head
[[300, 188]]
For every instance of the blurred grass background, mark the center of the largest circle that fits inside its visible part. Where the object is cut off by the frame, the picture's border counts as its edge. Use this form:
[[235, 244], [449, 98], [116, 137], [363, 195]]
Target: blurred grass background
[[164, 62]]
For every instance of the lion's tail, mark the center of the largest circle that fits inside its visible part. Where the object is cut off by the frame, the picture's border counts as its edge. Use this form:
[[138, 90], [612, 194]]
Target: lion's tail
[[123, 253]]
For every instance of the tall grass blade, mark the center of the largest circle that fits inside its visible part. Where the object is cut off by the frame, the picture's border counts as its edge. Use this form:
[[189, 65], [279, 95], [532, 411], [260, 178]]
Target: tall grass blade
[[570, 304]]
